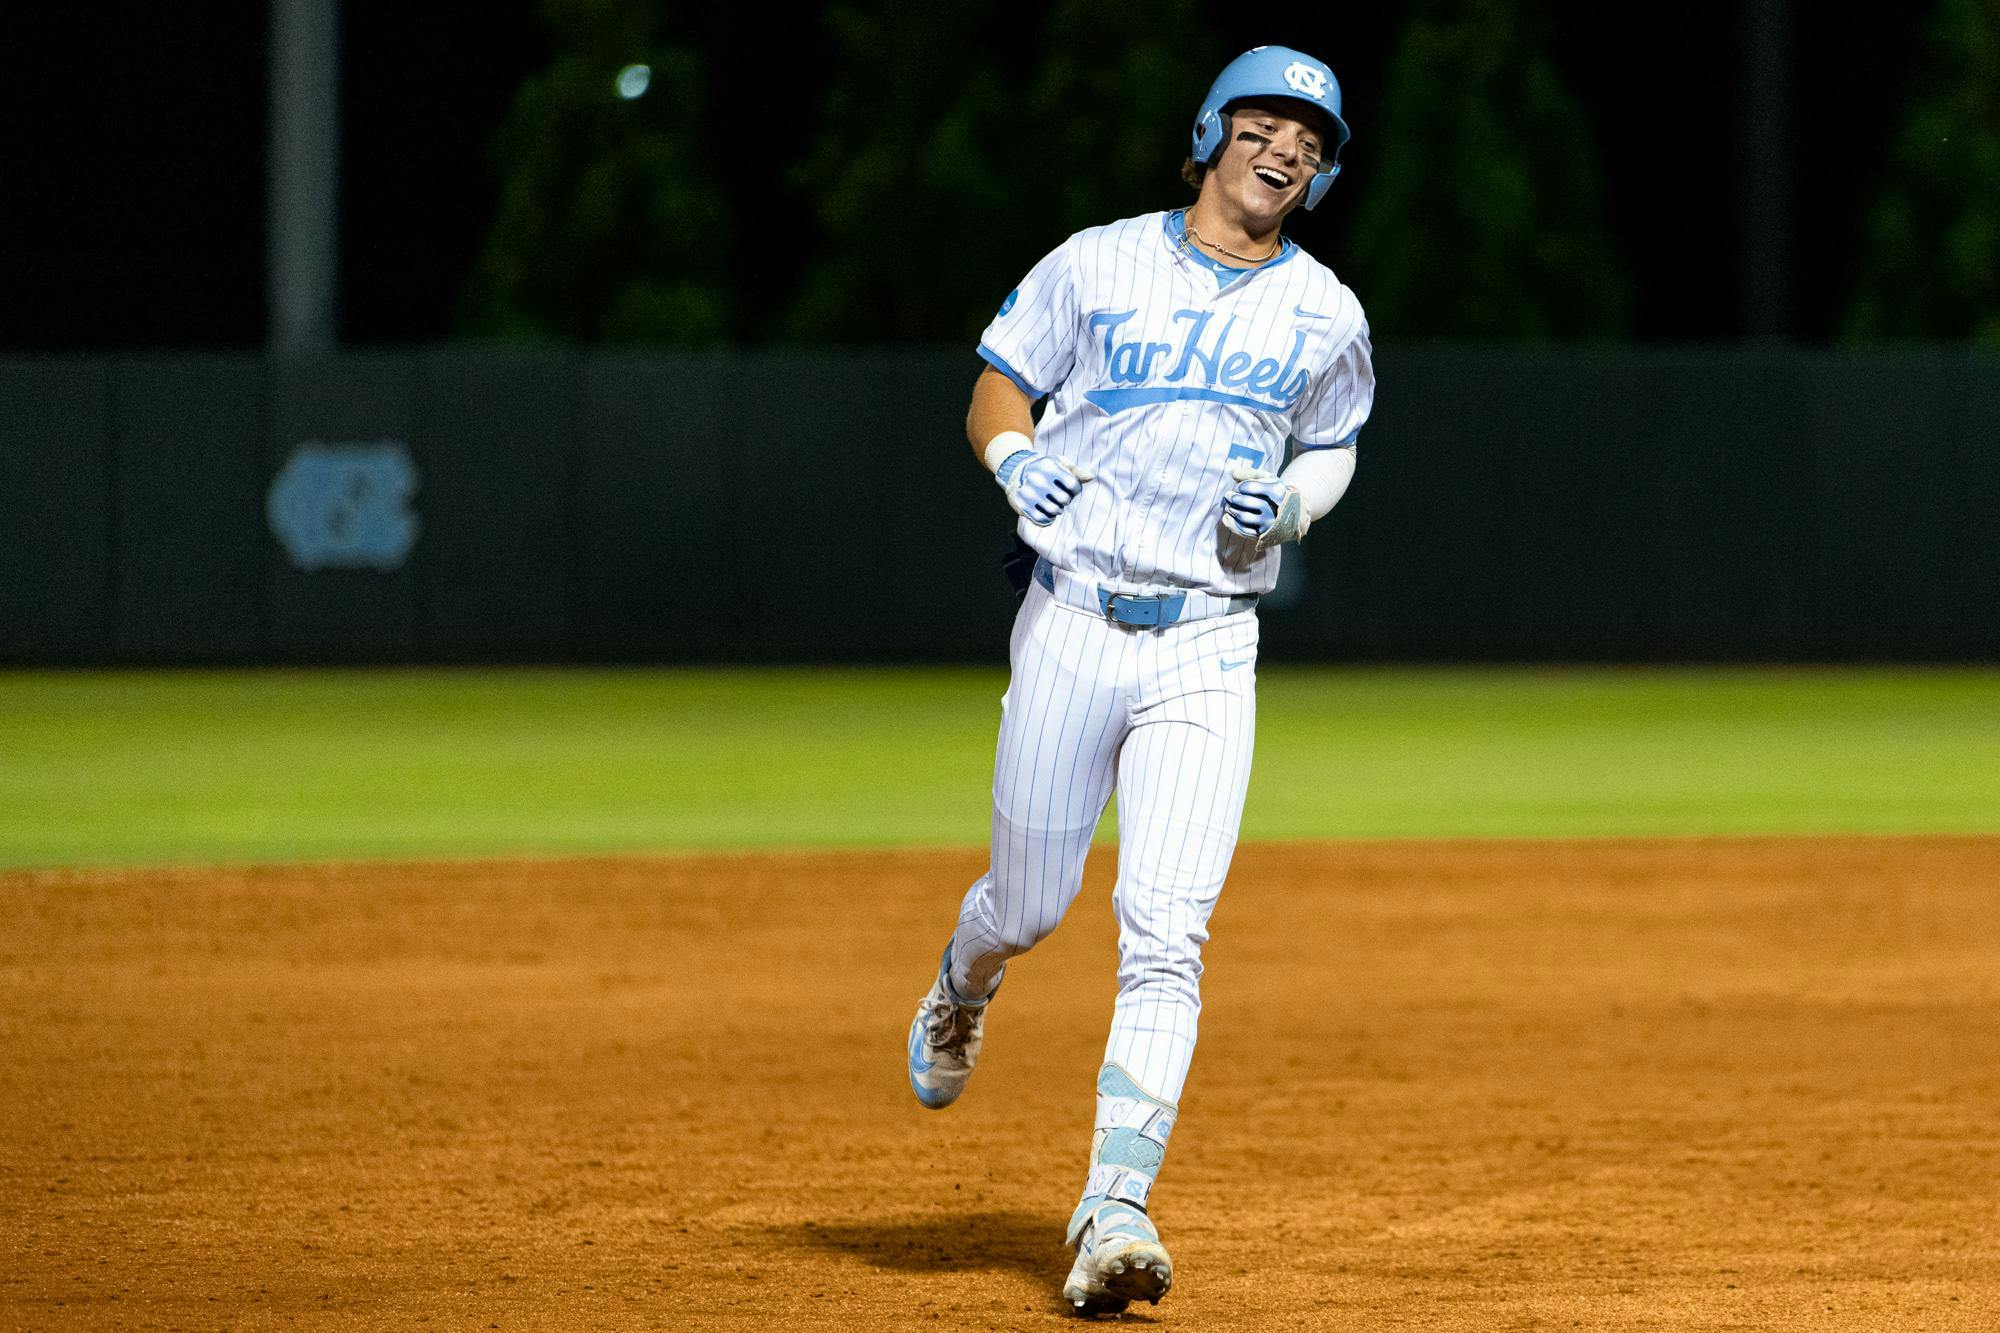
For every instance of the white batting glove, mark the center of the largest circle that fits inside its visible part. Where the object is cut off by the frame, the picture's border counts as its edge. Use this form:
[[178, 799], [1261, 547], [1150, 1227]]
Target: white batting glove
[[1040, 486], [1264, 507]]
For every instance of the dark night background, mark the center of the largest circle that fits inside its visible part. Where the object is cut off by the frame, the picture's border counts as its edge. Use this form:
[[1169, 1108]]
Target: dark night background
[[136, 181]]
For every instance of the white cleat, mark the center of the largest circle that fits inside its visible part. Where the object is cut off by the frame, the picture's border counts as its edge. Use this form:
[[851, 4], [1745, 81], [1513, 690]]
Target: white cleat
[[944, 1041], [1119, 1259]]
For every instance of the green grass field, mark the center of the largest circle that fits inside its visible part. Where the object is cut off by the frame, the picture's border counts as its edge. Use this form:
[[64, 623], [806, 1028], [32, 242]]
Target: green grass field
[[110, 768]]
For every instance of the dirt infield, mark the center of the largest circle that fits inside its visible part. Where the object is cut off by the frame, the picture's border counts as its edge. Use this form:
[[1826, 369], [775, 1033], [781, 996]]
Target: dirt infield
[[1466, 1086]]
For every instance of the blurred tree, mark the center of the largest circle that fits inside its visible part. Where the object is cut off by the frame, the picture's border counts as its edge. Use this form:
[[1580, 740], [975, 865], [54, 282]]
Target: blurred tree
[[937, 181], [1933, 235], [906, 176], [1481, 214], [610, 227], [1115, 94]]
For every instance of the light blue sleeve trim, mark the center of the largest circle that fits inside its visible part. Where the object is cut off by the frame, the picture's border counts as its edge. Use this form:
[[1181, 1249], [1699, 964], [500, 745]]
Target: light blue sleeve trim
[[1353, 439], [999, 363]]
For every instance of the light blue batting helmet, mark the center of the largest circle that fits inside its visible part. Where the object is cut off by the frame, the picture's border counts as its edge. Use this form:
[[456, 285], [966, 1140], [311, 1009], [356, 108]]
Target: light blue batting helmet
[[1273, 71]]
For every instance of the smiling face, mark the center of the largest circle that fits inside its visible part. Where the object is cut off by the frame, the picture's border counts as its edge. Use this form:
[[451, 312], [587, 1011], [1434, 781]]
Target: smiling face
[[1274, 149]]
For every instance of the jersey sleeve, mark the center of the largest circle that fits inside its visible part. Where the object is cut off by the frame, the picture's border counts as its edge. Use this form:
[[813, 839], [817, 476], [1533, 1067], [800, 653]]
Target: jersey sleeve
[[1032, 341], [1336, 407]]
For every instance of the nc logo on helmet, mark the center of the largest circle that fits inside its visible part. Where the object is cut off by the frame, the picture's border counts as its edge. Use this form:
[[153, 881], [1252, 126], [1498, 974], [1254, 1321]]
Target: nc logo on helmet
[[1305, 79]]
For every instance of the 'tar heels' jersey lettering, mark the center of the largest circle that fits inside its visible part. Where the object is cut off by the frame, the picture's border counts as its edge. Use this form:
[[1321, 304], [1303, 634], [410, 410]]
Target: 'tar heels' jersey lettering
[[1160, 377], [1204, 367]]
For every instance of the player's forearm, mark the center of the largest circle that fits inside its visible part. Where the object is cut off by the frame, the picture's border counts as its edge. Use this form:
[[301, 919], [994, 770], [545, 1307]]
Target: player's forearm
[[998, 408], [1321, 476]]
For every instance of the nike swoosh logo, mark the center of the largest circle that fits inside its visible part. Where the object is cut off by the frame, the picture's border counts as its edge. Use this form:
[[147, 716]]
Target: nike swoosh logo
[[1304, 313], [1231, 666], [917, 1063]]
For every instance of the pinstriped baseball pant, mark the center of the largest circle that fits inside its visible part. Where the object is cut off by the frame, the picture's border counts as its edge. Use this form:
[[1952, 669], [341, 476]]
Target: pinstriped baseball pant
[[1167, 716]]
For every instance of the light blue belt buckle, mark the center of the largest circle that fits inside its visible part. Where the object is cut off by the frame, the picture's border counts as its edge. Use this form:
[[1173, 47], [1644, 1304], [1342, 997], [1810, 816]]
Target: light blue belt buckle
[[1125, 609]]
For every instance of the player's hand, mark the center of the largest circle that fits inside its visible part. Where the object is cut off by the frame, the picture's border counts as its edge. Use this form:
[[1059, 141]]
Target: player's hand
[[1264, 507], [1040, 486]]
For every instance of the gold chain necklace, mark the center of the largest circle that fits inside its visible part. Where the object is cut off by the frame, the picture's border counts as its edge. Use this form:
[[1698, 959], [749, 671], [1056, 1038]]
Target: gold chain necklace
[[1248, 259]]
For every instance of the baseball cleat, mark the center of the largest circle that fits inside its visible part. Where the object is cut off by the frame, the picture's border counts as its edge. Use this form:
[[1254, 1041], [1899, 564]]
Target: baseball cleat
[[1119, 1259], [945, 1040]]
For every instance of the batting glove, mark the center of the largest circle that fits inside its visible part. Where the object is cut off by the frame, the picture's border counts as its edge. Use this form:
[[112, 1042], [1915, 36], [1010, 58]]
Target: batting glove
[[1264, 507], [1040, 486]]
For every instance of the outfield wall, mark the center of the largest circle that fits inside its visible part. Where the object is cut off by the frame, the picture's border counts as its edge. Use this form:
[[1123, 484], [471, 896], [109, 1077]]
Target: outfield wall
[[447, 505]]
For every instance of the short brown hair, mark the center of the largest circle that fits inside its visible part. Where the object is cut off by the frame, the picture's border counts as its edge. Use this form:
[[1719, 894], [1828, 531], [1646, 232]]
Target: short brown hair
[[1194, 173]]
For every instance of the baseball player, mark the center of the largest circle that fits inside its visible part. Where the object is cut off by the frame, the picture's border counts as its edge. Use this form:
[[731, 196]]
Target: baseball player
[[1179, 353]]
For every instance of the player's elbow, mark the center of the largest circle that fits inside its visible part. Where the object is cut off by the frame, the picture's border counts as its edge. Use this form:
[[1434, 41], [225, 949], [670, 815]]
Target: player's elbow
[[997, 405]]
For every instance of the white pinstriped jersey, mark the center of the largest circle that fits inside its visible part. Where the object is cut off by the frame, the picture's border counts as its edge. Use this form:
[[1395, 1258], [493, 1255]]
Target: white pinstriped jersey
[[1158, 381]]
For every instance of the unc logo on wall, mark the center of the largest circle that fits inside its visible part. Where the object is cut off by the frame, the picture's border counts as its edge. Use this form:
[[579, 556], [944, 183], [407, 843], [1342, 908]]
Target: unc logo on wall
[[1305, 79], [345, 506]]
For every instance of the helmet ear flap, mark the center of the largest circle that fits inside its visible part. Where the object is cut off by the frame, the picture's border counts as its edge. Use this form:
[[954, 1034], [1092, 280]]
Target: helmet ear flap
[[1321, 182], [1210, 134]]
